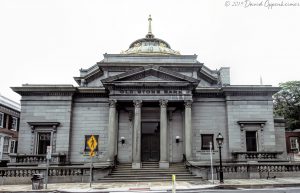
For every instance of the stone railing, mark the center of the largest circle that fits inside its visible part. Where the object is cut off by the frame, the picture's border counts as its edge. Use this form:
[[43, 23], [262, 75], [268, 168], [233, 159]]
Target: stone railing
[[29, 171], [57, 174], [256, 156], [249, 170], [34, 160]]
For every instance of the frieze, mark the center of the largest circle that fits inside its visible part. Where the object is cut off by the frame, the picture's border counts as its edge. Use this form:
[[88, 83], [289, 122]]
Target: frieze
[[152, 91]]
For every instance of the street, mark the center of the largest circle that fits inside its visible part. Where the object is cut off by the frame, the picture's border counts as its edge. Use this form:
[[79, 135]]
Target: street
[[240, 190]]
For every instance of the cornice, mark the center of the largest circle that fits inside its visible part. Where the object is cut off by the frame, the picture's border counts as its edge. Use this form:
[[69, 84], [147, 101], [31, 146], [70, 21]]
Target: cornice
[[90, 90], [44, 88], [58, 90], [251, 90], [34, 125], [90, 76], [9, 111]]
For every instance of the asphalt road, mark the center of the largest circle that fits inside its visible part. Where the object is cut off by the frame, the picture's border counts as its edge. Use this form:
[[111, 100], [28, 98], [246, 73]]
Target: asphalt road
[[265, 190], [240, 190]]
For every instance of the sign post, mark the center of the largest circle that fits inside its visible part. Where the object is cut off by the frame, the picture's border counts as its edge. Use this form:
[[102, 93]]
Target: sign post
[[173, 183], [48, 157], [92, 143], [211, 162]]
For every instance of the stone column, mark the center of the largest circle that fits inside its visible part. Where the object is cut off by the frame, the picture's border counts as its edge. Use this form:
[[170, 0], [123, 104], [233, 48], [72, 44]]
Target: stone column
[[136, 149], [188, 129], [111, 130], [164, 156]]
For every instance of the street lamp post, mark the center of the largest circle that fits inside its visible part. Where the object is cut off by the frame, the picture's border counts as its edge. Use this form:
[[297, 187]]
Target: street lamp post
[[220, 140]]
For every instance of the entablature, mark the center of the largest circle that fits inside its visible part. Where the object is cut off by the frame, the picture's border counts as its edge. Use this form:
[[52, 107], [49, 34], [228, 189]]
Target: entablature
[[244, 123], [52, 125]]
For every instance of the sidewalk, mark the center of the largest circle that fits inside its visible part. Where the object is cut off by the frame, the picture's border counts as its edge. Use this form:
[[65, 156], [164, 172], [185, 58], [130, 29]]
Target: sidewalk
[[154, 186]]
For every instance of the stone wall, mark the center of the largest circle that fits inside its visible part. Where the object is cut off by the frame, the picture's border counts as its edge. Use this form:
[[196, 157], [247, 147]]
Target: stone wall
[[280, 136], [90, 116], [208, 117], [125, 130], [250, 108], [175, 128], [45, 109]]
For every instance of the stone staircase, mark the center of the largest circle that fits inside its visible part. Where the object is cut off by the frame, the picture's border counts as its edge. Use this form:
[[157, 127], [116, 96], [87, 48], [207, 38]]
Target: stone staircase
[[150, 172]]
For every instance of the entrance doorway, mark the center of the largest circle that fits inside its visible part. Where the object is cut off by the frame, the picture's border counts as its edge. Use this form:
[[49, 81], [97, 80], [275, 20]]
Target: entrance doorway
[[150, 149]]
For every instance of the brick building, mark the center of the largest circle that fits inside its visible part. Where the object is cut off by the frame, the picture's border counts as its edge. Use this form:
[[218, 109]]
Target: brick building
[[9, 127]]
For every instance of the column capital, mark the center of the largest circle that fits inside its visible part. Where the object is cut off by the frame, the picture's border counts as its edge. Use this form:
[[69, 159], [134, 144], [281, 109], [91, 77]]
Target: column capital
[[112, 103], [188, 104], [137, 103], [163, 103]]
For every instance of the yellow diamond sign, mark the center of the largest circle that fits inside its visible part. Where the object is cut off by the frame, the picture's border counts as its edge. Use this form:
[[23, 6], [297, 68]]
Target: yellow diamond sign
[[92, 143]]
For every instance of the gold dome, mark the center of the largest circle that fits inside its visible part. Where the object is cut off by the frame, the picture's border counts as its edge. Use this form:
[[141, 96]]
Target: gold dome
[[150, 45]]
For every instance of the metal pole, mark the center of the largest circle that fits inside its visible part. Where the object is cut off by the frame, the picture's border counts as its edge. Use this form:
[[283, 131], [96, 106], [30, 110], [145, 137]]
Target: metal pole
[[173, 183], [221, 167], [211, 162], [47, 170], [91, 171]]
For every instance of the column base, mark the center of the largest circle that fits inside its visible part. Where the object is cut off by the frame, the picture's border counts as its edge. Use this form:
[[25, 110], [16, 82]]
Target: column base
[[136, 165], [164, 164]]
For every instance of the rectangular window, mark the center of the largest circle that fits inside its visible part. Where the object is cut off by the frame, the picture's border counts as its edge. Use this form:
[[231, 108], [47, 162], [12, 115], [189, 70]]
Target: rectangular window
[[6, 145], [12, 146], [86, 147], [14, 123], [251, 140], [44, 140], [205, 141], [1, 120]]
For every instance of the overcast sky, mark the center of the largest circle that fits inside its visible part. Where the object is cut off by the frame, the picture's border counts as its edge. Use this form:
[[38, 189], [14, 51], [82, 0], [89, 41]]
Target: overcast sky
[[47, 42]]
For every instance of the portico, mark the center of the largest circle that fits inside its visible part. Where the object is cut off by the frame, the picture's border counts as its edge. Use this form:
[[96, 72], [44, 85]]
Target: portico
[[150, 85], [161, 130]]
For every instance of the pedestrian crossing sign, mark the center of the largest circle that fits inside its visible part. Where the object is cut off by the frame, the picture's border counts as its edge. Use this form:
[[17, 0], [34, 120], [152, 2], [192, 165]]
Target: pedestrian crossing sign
[[92, 143]]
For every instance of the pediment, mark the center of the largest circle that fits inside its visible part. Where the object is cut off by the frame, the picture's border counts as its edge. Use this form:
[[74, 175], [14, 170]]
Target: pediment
[[151, 78], [151, 74]]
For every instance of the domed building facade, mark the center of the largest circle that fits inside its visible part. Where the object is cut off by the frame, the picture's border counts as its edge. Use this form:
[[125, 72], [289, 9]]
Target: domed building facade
[[150, 104]]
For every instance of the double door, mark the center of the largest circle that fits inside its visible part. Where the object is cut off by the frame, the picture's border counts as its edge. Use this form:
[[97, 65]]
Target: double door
[[150, 144]]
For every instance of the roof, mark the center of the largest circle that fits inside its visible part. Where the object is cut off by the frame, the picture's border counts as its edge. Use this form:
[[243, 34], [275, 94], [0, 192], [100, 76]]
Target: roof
[[9, 103]]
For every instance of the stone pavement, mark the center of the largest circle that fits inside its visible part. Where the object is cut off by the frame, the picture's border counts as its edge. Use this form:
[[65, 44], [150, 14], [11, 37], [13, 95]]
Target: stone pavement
[[153, 186]]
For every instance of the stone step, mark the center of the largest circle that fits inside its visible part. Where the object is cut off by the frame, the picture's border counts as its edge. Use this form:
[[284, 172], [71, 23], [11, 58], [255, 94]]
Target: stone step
[[120, 166], [149, 175], [149, 172], [147, 179]]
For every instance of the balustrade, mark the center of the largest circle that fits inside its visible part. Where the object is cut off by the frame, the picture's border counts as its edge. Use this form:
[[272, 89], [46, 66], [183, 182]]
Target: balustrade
[[53, 171], [256, 156], [30, 160]]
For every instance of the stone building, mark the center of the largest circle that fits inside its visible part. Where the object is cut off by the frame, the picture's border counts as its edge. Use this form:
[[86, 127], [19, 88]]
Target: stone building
[[9, 127], [150, 103]]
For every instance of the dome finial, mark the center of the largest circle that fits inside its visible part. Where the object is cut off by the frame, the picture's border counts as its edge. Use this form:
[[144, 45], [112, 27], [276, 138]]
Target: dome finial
[[149, 35]]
